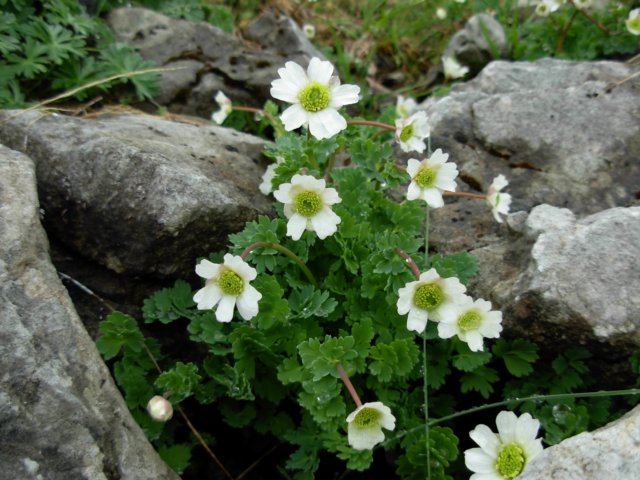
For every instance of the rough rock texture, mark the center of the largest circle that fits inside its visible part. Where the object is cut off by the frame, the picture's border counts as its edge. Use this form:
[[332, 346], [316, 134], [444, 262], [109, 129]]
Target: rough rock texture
[[206, 59], [136, 193], [282, 35], [470, 45], [551, 128], [570, 279], [609, 453], [61, 416]]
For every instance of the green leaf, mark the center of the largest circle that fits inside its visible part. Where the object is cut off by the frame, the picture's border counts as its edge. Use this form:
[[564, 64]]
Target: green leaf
[[320, 358], [518, 355], [117, 59], [466, 360], [135, 384], [176, 456], [31, 61], [462, 265], [116, 331], [181, 381], [273, 308], [237, 384], [308, 302], [395, 359], [237, 414], [479, 380], [169, 304]]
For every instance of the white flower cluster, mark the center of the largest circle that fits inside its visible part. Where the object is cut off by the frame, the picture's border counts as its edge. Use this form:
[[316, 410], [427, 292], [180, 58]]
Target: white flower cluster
[[443, 300]]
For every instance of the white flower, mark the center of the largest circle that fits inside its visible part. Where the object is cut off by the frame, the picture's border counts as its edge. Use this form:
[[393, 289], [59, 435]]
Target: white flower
[[307, 205], [499, 202], [470, 321], [269, 174], [430, 177], [411, 132], [503, 456], [309, 30], [424, 298], [316, 97], [228, 286], [580, 4], [441, 13], [160, 409], [546, 7], [405, 106], [365, 425], [225, 108], [633, 21], [453, 69]]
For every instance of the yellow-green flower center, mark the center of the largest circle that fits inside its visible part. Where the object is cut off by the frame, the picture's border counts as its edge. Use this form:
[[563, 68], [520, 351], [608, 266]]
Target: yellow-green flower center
[[511, 461], [406, 133], [634, 23], [315, 97], [428, 296], [470, 320], [307, 203], [426, 177], [230, 283], [367, 417]]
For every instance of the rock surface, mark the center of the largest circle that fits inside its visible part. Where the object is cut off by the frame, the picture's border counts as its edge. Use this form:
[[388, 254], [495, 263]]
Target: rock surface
[[551, 128], [471, 47], [566, 279], [136, 193], [205, 59], [609, 453], [61, 416]]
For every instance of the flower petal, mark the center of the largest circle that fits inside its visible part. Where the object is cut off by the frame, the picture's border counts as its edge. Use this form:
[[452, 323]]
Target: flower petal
[[414, 192], [296, 226], [247, 303], [478, 461], [417, 320], [208, 296], [447, 330], [433, 197], [319, 71], [207, 269], [326, 123], [224, 312], [486, 439], [325, 223], [294, 73], [294, 117], [364, 438], [344, 95]]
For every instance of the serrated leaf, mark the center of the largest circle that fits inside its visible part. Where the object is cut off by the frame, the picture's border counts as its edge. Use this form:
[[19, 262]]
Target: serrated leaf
[[181, 381], [309, 302], [462, 265], [177, 456], [395, 359], [273, 309], [518, 355], [466, 360], [320, 358], [116, 331], [479, 380]]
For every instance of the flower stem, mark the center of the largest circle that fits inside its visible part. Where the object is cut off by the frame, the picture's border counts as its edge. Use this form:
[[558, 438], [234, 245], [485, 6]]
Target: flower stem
[[588, 16], [287, 252], [426, 235], [412, 264], [349, 385], [256, 110], [371, 123], [565, 31], [537, 398], [426, 399], [464, 194]]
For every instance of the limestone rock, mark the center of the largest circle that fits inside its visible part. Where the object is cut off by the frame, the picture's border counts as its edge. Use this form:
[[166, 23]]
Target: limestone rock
[[61, 416], [551, 127], [470, 45], [580, 281], [609, 453], [139, 194], [206, 59]]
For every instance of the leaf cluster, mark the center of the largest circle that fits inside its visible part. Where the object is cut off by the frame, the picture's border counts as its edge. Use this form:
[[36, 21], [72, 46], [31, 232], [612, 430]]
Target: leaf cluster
[[55, 46]]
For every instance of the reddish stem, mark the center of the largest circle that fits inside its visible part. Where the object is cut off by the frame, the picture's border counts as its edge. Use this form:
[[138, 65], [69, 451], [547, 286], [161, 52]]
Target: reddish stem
[[256, 110], [349, 385], [371, 123], [410, 261], [482, 196]]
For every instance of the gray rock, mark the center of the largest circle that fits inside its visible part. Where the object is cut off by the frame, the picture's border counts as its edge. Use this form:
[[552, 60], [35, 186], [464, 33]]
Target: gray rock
[[61, 416], [609, 453], [281, 34], [551, 128], [208, 58], [475, 45], [139, 194], [577, 282]]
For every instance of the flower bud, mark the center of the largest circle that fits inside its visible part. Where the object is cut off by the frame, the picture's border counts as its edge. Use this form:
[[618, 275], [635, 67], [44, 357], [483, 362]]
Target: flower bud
[[160, 409]]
